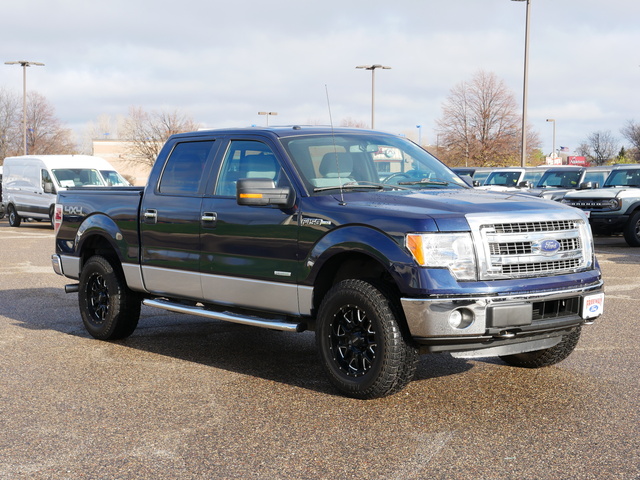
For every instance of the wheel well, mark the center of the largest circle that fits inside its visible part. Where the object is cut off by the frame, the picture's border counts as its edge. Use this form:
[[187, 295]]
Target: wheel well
[[351, 266], [98, 245]]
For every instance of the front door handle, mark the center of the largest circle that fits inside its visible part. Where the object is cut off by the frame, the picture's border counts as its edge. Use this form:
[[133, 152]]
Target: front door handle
[[209, 218]]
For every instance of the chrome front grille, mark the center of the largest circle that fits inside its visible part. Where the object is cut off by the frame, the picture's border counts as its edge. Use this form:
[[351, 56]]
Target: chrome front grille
[[542, 247], [529, 227], [526, 248]]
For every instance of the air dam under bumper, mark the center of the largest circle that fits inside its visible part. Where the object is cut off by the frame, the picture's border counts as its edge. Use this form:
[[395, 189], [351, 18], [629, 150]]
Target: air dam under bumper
[[459, 324]]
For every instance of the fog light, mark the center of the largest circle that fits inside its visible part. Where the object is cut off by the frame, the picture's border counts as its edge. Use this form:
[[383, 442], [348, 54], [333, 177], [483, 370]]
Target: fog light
[[460, 319]]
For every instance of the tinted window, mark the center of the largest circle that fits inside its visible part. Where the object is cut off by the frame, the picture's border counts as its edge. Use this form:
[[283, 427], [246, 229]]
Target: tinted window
[[183, 172]]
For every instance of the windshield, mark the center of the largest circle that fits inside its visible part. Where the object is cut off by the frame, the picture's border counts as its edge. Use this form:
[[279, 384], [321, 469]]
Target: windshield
[[113, 178], [504, 179], [624, 178], [561, 179], [363, 161], [77, 177]]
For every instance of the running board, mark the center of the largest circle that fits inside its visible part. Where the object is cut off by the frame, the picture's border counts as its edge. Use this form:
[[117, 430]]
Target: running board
[[227, 316]]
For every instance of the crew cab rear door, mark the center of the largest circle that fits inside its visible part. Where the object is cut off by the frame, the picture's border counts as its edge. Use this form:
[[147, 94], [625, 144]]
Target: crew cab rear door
[[248, 252], [170, 220]]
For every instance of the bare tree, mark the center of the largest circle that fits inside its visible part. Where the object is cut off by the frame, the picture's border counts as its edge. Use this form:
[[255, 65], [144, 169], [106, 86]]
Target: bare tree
[[147, 132], [631, 131], [480, 124], [45, 133], [10, 121], [351, 122], [600, 147]]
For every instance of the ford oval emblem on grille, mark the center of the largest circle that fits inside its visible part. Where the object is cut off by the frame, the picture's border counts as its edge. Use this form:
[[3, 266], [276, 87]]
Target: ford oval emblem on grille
[[550, 246]]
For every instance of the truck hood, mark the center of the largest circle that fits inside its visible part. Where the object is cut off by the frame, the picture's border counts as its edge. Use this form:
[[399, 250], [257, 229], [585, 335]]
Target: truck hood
[[449, 209], [604, 193]]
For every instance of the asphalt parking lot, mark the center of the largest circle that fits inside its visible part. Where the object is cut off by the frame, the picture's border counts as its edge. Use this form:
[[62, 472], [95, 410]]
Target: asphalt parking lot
[[187, 398]]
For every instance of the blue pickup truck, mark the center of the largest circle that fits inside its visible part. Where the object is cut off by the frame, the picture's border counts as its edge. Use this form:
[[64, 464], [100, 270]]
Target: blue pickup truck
[[360, 236]]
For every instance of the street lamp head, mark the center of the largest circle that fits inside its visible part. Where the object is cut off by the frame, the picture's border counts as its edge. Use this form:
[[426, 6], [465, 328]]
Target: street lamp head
[[551, 119], [373, 67], [25, 63]]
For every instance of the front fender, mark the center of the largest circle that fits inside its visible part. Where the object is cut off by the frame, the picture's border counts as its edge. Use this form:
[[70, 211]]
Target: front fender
[[364, 240]]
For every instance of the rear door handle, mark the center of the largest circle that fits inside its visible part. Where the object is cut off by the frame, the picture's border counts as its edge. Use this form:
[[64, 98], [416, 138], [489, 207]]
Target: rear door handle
[[150, 216]]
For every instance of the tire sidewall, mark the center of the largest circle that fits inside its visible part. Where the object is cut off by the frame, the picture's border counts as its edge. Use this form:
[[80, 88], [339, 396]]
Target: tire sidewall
[[14, 218], [340, 296], [94, 268], [631, 230]]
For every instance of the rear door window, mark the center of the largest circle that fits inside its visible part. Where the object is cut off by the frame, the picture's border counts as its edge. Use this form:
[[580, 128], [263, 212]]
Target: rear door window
[[183, 173]]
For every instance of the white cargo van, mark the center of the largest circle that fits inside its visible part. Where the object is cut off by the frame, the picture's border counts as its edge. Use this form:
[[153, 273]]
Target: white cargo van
[[30, 183]]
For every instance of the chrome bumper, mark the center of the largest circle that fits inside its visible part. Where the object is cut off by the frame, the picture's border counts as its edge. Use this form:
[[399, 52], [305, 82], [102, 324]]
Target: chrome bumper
[[66, 265], [500, 317]]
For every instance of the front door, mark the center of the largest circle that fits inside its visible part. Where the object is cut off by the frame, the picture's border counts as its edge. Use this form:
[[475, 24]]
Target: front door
[[249, 253]]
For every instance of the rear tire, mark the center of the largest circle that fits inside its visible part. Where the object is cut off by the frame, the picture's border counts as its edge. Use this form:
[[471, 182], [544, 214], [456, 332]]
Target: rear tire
[[109, 309], [548, 356], [360, 341], [14, 218]]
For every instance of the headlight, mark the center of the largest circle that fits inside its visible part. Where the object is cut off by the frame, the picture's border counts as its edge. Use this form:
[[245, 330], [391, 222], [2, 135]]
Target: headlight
[[612, 203], [445, 250]]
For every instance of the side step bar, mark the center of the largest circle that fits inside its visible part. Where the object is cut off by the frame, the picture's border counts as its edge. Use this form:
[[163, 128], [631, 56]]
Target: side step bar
[[227, 316]]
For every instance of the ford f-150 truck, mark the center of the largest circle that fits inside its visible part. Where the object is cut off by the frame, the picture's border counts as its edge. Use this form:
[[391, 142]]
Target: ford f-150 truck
[[360, 236]]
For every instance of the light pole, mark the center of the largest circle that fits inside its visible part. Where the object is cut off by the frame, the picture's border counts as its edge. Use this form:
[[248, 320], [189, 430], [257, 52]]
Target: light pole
[[419, 127], [268, 114], [553, 152], [24, 65], [523, 158], [373, 87]]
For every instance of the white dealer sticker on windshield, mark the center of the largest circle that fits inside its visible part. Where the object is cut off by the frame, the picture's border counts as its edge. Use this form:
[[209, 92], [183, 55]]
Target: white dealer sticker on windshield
[[593, 305]]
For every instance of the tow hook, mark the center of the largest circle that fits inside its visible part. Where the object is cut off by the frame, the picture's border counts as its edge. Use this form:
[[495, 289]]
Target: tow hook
[[505, 334]]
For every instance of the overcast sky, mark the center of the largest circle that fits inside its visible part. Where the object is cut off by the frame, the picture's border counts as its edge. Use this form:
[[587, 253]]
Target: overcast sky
[[221, 62]]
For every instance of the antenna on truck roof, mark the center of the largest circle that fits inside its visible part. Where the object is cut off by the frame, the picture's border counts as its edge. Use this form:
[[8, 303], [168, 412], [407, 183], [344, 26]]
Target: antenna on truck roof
[[335, 149]]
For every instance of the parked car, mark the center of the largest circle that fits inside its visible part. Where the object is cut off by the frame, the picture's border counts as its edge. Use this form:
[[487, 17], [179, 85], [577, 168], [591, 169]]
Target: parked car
[[478, 174], [614, 208], [557, 181], [31, 182], [512, 178], [289, 228]]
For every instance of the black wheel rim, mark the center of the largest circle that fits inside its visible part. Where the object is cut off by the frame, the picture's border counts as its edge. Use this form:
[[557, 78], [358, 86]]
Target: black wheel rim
[[98, 298], [353, 341]]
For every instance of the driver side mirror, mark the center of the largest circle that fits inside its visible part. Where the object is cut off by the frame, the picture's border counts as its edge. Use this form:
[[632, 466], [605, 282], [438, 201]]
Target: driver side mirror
[[261, 192]]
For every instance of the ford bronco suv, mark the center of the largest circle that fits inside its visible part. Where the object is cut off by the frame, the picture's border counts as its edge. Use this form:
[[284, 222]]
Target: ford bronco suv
[[614, 208]]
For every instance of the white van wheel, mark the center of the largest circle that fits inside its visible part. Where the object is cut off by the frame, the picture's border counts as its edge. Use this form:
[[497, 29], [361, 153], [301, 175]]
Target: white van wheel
[[14, 218]]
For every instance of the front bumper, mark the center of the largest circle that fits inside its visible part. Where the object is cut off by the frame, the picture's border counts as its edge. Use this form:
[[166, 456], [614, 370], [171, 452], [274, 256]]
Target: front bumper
[[608, 223], [473, 323]]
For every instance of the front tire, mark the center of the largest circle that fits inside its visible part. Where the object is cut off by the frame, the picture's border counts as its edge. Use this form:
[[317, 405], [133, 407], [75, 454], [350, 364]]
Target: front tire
[[632, 230], [14, 218], [109, 309], [361, 343], [548, 356]]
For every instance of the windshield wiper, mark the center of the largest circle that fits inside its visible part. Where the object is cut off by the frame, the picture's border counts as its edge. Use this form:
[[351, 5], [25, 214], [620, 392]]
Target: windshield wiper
[[351, 186], [426, 182], [362, 184]]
